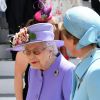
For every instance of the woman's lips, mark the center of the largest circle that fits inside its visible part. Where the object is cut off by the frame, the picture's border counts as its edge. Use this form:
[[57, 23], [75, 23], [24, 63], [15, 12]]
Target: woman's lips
[[34, 62]]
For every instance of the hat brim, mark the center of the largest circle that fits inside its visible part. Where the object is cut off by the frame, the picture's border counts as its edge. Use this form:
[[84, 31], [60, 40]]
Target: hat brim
[[59, 43]]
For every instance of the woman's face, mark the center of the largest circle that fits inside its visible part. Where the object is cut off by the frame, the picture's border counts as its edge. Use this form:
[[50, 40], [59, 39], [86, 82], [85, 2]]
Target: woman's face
[[38, 55], [71, 46]]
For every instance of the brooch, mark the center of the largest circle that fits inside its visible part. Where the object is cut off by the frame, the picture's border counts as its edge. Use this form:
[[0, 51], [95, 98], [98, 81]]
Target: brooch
[[56, 72]]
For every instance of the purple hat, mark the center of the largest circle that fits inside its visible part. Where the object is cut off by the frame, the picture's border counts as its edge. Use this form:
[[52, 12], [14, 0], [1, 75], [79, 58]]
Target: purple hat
[[35, 33]]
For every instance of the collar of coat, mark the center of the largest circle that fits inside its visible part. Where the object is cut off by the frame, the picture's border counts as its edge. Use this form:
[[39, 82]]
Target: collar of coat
[[83, 66]]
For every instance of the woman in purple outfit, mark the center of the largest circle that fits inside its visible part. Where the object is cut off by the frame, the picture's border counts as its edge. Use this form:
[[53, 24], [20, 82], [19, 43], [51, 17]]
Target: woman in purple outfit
[[50, 74]]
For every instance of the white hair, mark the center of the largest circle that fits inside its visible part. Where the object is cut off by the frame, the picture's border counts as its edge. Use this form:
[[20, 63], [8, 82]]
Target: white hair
[[52, 46]]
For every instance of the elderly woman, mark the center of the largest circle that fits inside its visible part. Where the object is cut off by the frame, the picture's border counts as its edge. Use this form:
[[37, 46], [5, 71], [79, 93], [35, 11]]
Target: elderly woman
[[82, 38], [50, 74], [43, 15]]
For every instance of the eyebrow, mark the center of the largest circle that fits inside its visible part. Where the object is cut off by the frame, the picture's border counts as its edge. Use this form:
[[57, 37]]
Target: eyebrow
[[38, 47]]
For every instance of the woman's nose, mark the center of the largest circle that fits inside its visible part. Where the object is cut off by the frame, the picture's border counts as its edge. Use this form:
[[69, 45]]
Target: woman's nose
[[32, 56]]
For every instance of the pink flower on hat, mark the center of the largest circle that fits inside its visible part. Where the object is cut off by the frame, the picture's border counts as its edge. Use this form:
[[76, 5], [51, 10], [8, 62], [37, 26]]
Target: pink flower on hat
[[21, 37]]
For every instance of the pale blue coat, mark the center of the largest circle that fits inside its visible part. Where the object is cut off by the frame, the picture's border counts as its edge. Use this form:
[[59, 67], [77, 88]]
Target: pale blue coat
[[86, 83]]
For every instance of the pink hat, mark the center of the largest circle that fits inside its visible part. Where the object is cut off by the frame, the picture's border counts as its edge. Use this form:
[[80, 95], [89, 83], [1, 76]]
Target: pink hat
[[44, 14]]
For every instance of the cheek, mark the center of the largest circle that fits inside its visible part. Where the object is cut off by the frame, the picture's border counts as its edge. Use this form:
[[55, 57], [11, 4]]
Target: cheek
[[44, 58], [28, 59], [68, 45]]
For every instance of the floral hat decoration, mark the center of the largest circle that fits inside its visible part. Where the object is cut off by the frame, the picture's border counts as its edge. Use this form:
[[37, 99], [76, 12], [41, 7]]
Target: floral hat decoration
[[32, 34]]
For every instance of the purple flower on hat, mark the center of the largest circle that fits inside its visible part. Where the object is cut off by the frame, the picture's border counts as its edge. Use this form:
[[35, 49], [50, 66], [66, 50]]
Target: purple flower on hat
[[46, 11]]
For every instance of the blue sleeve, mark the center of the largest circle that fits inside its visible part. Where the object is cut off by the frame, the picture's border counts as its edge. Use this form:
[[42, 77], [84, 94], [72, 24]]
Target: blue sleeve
[[67, 84], [93, 85]]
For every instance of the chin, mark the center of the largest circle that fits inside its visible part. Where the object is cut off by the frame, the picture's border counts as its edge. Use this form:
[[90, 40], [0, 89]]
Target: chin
[[35, 66], [74, 55]]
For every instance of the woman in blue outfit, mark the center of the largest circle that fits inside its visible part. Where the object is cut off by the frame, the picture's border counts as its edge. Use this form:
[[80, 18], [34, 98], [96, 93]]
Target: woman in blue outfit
[[50, 74], [81, 29]]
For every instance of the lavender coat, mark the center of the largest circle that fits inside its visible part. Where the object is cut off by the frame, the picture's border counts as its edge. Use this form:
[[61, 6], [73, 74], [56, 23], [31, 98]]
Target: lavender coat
[[52, 84]]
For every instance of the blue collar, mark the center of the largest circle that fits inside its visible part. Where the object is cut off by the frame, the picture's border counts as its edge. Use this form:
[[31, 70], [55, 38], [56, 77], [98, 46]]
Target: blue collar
[[83, 66]]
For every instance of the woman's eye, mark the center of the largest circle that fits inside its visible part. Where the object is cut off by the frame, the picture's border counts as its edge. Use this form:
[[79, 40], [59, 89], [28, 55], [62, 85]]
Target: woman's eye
[[37, 52], [27, 53]]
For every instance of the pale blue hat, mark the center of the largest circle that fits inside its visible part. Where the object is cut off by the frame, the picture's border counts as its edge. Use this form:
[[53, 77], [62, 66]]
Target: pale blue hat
[[84, 24]]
